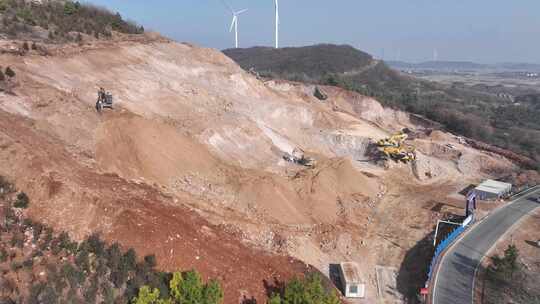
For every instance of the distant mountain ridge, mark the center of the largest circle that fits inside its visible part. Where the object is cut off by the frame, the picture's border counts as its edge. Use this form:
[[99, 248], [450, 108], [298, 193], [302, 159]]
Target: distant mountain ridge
[[437, 65], [464, 65]]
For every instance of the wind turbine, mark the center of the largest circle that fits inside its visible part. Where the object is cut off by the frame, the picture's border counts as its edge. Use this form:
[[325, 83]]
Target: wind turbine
[[276, 4], [234, 23]]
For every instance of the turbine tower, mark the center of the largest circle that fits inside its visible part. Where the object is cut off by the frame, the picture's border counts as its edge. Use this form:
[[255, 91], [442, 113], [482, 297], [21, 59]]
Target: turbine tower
[[234, 23], [276, 4]]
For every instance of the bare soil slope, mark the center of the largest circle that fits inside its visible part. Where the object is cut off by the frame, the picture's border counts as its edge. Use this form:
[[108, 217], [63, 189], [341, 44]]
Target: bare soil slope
[[189, 165]]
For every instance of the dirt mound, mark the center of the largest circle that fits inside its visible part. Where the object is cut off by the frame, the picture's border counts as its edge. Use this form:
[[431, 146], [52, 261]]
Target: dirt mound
[[71, 197], [140, 149]]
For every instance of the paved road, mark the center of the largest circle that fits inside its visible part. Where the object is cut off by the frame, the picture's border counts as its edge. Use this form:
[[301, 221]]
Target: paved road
[[455, 276]]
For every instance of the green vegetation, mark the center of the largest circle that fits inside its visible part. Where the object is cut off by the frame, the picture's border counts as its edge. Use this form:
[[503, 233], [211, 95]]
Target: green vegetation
[[508, 281], [62, 21], [305, 64], [22, 201], [503, 268], [186, 288], [307, 291], [466, 112], [40, 266]]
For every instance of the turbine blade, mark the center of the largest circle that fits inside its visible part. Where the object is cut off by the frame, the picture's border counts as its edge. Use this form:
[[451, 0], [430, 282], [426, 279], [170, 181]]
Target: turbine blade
[[232, 23], [227, 6], [241, 11]]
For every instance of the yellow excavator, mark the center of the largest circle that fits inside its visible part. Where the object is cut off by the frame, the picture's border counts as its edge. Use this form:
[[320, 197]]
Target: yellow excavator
[[394, 147], [393, 141]]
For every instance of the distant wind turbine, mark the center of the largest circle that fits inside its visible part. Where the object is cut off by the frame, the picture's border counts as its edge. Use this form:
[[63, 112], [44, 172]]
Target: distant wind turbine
[[276, 4], [234, 23]]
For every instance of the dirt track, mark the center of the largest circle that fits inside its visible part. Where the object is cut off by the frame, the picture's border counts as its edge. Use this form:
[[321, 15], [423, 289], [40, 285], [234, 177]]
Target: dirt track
[[189, 164]]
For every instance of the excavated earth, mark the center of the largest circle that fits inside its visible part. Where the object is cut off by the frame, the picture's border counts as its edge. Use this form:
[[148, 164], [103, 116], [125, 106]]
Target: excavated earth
[[189, 164]]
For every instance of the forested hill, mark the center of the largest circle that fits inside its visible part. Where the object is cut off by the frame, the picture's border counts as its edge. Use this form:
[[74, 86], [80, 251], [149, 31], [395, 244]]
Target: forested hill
[[60, 21], [311, 61]]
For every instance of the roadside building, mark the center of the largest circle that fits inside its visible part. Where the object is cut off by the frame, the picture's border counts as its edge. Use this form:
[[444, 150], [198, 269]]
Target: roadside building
[[491, 189], [350, 278]]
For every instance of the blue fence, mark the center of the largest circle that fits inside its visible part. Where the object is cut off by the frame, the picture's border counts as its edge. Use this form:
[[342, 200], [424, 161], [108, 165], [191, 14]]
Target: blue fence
[[443, 245]]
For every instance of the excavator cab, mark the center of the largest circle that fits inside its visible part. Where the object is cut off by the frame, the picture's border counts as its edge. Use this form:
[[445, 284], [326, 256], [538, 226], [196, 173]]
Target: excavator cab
[[105, 100]]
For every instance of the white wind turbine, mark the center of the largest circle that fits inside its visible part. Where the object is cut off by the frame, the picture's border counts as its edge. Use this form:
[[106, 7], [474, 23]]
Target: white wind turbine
[[276, 4], [234, 23]]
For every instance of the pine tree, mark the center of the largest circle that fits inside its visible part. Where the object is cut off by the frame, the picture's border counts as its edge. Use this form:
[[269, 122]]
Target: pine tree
[[212, 293], [295, 293], [146, 296], [191, 288], [175, 286], [504, 267], [274, 299], [314, 288], [332, 298], [511, 255]]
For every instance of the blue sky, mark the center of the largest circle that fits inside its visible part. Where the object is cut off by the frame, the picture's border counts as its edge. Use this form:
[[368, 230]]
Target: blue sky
[[484, 31]]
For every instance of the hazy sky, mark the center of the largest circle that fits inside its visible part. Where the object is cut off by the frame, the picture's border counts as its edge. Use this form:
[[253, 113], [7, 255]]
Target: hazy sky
[[484, 31]]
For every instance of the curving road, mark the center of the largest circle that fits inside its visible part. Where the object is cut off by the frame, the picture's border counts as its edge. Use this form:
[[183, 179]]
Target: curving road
[[455, 274]]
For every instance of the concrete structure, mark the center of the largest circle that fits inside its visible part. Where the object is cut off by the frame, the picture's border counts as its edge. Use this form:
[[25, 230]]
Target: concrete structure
[[490, 189], [350, 278]]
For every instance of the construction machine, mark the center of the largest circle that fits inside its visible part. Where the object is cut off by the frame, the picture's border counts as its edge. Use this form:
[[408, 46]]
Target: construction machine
[[320, 94], [298, 157], [105, 100], [393, 141], [405, 154], [394, 147]]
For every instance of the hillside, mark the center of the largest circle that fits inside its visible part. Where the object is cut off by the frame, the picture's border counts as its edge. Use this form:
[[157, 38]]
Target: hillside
[[310, 62], [40, 265], [466, 112], [189, 165], [60, 21]]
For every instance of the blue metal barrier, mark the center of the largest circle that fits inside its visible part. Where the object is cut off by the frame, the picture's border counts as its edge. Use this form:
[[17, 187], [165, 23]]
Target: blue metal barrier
[[442, 246], [445, 243]]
